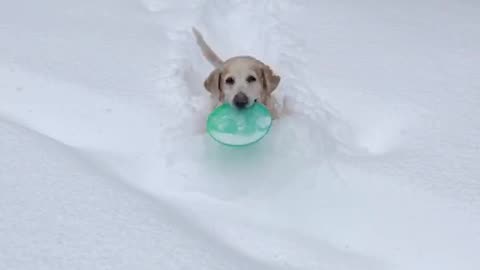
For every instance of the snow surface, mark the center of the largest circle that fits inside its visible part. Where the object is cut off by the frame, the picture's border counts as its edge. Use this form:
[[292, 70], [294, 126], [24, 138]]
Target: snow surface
[[103, 165]]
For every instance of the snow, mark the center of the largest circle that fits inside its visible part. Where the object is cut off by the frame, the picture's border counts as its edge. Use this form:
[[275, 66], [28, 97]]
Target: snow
[[104, 164]]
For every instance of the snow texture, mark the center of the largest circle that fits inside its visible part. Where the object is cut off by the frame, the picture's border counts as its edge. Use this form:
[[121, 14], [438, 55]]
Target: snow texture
[[104, 164]]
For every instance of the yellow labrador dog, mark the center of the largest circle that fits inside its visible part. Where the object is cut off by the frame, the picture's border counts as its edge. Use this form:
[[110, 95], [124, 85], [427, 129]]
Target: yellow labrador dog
[[240, 81]]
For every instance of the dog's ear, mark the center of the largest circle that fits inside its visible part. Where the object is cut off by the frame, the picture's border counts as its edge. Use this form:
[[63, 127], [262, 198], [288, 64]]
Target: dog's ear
[[269, 79], [213, 83]]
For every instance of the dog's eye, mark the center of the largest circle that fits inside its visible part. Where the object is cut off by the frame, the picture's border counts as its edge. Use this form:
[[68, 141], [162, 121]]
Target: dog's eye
[[251, 79], [230, 80]]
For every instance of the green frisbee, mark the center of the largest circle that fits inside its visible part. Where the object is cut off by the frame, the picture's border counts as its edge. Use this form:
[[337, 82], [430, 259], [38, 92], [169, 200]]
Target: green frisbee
[[233, 127]]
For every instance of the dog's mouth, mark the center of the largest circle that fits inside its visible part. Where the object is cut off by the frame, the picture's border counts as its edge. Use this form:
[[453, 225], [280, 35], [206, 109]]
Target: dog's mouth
[[241, 107], [242, 101], [244, 106]]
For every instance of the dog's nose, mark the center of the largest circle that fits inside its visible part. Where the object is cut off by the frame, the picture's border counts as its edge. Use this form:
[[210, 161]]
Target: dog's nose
[[240, 100]]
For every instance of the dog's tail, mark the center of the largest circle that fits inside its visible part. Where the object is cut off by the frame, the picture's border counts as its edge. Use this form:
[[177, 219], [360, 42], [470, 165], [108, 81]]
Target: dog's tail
[[206, 50]]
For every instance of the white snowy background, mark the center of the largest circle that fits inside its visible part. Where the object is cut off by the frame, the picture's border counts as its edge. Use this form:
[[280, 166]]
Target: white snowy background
[[102, 167]]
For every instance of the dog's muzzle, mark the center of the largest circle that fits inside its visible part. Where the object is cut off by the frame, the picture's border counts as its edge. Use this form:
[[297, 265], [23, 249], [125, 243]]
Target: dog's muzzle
[[240, 100]]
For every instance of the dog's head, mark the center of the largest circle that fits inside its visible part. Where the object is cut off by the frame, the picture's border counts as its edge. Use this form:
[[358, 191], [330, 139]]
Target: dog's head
[[242, 81]]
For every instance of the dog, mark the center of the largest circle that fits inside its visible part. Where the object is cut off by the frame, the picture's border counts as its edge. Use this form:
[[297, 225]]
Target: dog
[[240, 81]]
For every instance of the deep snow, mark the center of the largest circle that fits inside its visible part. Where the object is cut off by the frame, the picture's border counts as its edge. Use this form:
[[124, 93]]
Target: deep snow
[[102, 164]]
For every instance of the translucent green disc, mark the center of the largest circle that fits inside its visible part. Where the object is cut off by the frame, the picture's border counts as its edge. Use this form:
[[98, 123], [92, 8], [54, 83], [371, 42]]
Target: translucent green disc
[[233, 127]]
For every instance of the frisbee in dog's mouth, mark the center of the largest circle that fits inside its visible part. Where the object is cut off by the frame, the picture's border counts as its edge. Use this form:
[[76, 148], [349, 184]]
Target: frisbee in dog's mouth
[[234, 127]]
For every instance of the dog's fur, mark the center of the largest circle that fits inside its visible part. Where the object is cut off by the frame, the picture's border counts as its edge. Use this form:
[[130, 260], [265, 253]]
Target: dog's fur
[[241, 78]]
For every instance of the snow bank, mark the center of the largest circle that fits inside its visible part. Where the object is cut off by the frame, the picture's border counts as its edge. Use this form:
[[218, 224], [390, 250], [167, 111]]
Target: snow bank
[[59, 210]]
